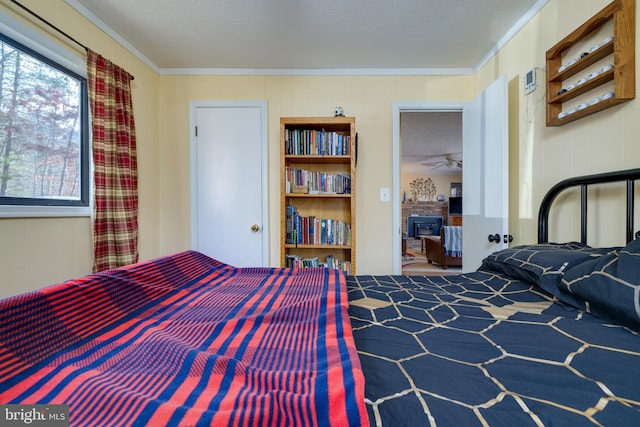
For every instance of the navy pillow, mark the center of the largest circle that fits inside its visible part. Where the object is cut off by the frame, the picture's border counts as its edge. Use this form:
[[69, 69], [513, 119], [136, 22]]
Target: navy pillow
[[530, 262], [602, 281], [608, 286]]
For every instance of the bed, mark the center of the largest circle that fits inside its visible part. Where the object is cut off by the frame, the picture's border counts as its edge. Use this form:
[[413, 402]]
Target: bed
[[188, 340], [185, 340], [541, 335]]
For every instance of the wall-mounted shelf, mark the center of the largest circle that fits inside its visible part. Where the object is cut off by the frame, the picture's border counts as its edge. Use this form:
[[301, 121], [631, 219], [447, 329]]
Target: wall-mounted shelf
[[621, 49]]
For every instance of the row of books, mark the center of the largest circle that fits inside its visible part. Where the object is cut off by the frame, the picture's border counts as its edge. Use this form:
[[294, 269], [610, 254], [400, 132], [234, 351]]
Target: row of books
[[297, 261], [315, 182], [316, 142], [310, 230]]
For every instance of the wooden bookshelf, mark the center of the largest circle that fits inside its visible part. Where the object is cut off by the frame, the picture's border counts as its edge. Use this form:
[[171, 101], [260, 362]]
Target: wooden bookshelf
[[567, 105], [318, 159]]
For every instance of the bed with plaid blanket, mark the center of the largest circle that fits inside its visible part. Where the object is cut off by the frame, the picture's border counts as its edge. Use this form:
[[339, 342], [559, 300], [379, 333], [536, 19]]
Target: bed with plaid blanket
[[186, 340]]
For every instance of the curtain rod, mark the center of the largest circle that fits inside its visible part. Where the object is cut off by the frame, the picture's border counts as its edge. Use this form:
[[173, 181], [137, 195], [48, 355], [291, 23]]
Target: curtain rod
[[32, 13]]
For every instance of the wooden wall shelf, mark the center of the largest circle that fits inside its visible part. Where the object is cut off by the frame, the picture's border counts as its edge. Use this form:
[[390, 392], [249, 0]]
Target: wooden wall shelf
[[622, 50]]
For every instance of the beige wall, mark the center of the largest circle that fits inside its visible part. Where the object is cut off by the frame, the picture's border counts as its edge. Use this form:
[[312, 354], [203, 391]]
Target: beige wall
[[369, 99], [441, 181], [542, 156], [36, 252]]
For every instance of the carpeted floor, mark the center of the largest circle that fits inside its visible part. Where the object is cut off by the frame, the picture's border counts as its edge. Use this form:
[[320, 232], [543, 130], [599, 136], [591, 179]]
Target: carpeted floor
[[415, 264]]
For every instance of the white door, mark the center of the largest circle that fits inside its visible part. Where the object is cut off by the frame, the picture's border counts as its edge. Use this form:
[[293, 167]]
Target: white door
[[485, 175], [229, 182]]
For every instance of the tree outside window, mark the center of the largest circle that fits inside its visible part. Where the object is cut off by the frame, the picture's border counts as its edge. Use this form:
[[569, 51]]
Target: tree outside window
[[43, 137]]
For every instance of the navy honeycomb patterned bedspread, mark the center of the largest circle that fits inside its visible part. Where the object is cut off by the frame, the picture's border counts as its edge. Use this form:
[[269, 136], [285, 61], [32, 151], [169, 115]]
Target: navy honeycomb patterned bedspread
[[488, 348]]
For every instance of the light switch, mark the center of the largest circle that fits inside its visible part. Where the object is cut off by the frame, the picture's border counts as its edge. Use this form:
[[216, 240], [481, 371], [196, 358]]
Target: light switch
[[384, 195]]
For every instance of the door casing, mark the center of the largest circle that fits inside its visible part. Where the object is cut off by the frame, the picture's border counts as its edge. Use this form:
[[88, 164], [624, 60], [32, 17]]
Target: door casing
[[484, 221]]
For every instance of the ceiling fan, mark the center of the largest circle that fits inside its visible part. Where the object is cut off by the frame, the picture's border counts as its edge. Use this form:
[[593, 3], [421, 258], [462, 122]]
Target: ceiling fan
[[450, 160]]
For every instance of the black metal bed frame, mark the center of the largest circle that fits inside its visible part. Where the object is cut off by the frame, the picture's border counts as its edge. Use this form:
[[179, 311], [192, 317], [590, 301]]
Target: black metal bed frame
[[629, 175]]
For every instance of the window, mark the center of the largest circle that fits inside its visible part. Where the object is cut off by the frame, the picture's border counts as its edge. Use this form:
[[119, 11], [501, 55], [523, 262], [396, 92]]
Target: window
[[44, 132]]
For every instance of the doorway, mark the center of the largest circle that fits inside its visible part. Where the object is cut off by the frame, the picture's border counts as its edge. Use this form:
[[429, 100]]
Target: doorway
[[485, 123], [431, 160], [409, 159]]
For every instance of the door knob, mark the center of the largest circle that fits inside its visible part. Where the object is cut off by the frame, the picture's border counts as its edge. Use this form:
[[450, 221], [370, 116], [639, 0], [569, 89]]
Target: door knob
[[507, 238], [494, 238], [255, 228]]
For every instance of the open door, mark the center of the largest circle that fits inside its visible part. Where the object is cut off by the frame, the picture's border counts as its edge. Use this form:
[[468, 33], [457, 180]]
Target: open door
[[485, 176]]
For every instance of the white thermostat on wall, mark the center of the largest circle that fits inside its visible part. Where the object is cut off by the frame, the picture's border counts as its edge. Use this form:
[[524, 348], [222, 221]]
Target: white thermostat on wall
[[530, 81]]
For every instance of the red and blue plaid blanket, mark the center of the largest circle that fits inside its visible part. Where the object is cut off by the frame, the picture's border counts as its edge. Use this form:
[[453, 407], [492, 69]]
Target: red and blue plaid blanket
[[186, 340]]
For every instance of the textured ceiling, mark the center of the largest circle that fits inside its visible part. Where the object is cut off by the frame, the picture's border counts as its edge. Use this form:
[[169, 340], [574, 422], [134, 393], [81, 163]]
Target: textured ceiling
[[311, 34], [427, 137], [326, 37]]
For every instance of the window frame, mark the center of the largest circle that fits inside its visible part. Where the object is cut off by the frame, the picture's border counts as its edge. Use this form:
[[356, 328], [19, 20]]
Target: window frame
[[62, 59]]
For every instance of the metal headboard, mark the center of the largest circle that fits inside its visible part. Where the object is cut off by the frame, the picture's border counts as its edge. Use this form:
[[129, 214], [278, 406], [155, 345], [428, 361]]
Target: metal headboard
[[630, 176]]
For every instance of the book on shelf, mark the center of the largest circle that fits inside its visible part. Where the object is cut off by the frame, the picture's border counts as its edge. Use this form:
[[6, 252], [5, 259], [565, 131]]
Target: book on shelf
[[316, 182], [311, 230], [297, 261], [316, 142]]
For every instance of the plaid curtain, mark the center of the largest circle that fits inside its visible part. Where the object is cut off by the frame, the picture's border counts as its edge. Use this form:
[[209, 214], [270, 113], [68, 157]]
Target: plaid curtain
[[115, 223]]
